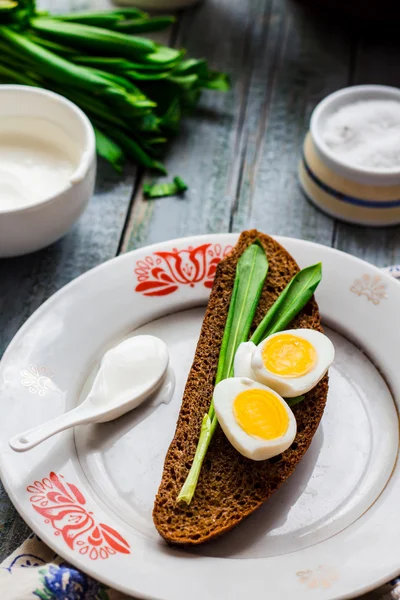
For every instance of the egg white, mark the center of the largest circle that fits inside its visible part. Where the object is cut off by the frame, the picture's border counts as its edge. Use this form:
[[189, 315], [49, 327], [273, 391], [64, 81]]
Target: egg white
[[295, 386], [248, 445], [242, 361]]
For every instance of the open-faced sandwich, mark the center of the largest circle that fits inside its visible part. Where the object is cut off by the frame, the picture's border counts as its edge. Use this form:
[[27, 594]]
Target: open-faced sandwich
[[254, 396]]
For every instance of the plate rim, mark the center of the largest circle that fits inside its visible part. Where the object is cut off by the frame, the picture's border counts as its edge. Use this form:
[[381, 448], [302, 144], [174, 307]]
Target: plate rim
[[216, 237]]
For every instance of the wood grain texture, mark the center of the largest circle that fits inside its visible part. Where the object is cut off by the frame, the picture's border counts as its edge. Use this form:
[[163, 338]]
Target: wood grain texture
[[208, 150], [241, 165], [297, 58], [242, 168], [13, 529]]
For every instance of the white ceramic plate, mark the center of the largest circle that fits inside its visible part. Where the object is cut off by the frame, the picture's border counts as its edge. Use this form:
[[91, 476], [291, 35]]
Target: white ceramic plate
[[331, 531]]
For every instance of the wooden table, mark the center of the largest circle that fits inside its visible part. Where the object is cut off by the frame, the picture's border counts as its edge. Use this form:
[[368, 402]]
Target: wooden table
[[239, 154]]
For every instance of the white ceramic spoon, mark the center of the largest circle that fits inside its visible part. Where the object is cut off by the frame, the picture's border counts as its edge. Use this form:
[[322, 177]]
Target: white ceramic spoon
[[128, 374]]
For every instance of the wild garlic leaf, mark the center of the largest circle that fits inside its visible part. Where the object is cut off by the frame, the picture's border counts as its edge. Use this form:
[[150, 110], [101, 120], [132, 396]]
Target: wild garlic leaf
[[289, 303]]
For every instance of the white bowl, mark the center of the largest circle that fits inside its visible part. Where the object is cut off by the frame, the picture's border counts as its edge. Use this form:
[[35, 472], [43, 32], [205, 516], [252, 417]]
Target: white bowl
[[37, 225], [351, 193]]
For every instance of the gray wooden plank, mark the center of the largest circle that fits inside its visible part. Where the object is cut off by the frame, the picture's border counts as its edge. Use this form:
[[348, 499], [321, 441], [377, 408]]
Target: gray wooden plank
[[377, 60], [26, 282], [207, 151], [299, 60], [242, 167], [13, 529], [379, 246]]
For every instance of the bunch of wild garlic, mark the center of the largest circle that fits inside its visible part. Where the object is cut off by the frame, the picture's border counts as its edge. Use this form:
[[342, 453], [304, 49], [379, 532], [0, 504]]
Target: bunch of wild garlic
[[134, 90]]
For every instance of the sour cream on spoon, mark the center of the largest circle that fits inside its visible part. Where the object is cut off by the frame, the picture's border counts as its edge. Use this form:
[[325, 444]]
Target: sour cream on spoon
[[129, 373]]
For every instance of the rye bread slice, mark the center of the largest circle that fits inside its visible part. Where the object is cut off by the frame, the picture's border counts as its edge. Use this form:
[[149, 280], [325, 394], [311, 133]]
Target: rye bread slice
[[230, 486]]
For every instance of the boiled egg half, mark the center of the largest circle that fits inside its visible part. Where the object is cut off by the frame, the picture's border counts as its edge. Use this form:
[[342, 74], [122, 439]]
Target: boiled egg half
[[292, 362], [242, 360], [254, 418]]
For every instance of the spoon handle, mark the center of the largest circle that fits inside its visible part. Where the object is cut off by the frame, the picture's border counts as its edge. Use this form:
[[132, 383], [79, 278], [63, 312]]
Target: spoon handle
[[32, 437]]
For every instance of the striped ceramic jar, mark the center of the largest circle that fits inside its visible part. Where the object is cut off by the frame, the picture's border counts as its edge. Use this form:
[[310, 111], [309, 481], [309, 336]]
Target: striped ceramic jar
[[350, 193]]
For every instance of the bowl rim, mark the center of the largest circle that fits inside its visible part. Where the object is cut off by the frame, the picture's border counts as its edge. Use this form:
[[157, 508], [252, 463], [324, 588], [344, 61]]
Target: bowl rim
[[347, 96], [87, 151]]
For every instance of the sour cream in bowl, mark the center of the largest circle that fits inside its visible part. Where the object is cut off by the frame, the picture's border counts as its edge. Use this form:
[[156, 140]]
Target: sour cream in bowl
[[47, 167]]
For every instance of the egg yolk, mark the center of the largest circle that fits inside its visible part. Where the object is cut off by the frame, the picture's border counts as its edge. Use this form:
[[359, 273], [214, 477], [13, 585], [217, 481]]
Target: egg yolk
[[289, 356], [260, 414]]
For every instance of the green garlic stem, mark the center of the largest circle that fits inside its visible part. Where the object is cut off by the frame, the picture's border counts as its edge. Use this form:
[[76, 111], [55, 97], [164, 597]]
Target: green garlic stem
[[208, 428]]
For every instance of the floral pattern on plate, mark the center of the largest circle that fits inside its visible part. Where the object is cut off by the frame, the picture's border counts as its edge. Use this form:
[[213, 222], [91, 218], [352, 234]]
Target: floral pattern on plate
[[321, 577], [164, 272], [371, 287], [37, 379], [62, 506]]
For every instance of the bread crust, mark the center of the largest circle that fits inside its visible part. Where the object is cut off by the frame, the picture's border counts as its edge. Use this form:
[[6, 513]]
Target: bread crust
[[230, 486]]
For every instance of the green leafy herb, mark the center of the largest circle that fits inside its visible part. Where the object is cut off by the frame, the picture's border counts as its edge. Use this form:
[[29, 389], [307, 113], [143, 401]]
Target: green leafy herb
[[109, 150], [145, 24], [251, 271], [290, 302], [59, 69], [134, 90], [293, 401], [126, 21], [250, 275], [161, 190], [95, 39], [102, 18], [133, 148]]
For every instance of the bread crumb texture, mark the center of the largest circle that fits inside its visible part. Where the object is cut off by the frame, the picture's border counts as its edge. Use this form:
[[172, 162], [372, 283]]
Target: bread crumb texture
[[230, 486]]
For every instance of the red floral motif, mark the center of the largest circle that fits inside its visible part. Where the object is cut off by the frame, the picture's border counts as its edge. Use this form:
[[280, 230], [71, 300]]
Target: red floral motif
[[164, 272], [62, 505]]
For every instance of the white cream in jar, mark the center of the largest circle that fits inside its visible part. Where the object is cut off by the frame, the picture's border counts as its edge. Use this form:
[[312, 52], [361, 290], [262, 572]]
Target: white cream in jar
[[37, 161]]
